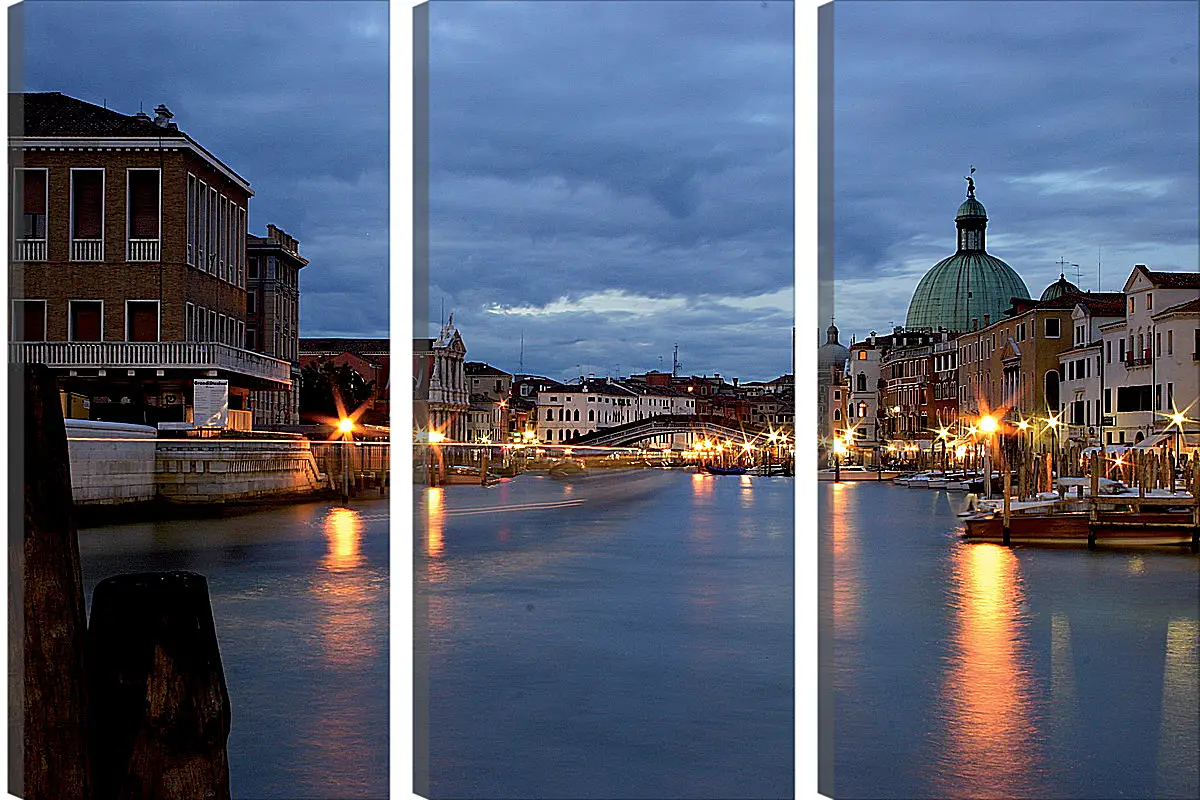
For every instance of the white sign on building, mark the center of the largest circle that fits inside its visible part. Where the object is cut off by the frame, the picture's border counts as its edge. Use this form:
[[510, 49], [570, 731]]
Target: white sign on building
[[210, 403]]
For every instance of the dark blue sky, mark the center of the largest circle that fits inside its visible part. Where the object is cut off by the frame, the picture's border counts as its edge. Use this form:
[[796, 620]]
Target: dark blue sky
[[1080, 117], [291, 95], [611, 178]]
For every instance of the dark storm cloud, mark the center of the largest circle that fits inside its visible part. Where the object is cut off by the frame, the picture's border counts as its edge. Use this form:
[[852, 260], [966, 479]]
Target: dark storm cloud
[[291, 95], [1080, 116], [591, 157]]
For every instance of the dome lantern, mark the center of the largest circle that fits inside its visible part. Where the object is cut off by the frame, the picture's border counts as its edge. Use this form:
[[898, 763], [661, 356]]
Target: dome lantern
[[971, 288]]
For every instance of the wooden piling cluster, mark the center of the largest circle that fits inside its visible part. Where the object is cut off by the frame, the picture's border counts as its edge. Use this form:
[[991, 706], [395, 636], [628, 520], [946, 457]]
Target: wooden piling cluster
[[134, 707]]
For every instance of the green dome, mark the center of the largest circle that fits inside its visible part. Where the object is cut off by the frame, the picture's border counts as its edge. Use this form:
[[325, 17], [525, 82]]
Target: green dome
[[959, 291], [964, 287], [971, 208], [1059, 288]]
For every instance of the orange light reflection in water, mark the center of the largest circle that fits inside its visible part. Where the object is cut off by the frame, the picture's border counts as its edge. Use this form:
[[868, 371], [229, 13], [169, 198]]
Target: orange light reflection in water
[[346, 629], [846, 590], [702, 485], [989, 748], [436, 521]]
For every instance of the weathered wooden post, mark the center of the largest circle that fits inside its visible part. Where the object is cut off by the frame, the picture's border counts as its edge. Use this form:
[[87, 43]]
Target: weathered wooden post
[[47, 689], [160, 709], [483, 467]]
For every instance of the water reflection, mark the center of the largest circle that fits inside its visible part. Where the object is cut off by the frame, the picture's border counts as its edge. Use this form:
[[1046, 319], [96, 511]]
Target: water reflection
[[435, 521], [1180, 737], [702, 486], [846, 590], [347, 634], [343, 530], [988, 749]]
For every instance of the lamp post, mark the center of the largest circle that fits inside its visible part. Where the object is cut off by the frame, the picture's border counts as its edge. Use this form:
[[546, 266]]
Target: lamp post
[[987, 426], [1052, 422], [839, 448], [1177, 419]]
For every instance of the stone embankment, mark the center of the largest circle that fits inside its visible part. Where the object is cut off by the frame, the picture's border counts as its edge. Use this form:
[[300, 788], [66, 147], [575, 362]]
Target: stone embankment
[[115, 464]]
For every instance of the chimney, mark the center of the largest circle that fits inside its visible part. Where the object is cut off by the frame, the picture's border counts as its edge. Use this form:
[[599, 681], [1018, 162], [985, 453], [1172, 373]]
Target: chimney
[[162, 115]]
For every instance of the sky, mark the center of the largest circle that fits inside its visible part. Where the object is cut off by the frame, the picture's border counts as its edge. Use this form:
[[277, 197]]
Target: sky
[[610, 179], [293, 96], [1079, 117]]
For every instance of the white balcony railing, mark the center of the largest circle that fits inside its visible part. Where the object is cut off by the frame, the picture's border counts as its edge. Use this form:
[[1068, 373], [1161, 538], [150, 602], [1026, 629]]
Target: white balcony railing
[[29, 250], [152, 355], [143, 249], [87, 249]]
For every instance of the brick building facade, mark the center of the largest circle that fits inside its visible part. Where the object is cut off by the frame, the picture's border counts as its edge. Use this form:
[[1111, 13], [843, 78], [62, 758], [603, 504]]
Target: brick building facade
[[127, 269]]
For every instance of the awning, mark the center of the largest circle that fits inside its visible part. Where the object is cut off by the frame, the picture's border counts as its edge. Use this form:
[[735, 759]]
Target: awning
[[1154, 440]]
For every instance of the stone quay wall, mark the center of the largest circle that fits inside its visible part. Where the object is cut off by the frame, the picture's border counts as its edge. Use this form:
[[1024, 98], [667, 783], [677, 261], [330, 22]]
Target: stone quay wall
[[234, 471], [111, 462], [115, 464]]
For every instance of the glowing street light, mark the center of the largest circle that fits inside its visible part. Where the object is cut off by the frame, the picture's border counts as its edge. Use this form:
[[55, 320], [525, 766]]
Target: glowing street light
[[345, 425]]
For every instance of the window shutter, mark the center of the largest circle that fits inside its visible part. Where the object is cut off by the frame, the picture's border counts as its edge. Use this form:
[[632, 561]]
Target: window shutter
[[33, 190], [85, 321], [88, 198], [143, 204], [143, 322]]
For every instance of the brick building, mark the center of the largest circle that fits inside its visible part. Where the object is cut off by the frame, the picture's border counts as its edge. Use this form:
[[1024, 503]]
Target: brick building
[[370, 358], [273, 265], [127, 271]]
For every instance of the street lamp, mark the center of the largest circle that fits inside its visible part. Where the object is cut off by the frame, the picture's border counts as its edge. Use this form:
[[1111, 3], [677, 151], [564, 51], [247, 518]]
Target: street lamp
[[1177, 419], [987, 426], [839, 449]]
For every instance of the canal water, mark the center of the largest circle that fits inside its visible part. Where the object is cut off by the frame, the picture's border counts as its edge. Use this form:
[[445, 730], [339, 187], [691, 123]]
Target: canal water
[[978, 671], [622, 635], [300, 600]]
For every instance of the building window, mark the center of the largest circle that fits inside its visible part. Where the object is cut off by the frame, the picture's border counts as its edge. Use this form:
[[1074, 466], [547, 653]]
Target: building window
[[252, 268], [271, 264], [252, 302], [862, 355], [29, 320], [87, 215], [1131, 306], [1158, 397], [86, 321], [1149, 300], [30, 203], [549, 414], [141, 321], [202, 225], [251, 339], [1157, 345], [1052, 328], [143, 203], [1170, 342], [1171, 396], [837, 414]]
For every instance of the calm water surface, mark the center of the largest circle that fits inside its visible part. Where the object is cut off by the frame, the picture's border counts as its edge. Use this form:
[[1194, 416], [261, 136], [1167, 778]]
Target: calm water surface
[[300, 599], [977, 671], [621, 636]]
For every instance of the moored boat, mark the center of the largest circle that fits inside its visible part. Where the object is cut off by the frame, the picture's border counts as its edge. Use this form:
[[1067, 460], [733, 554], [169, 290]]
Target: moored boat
[[855, 473], [713, 469]]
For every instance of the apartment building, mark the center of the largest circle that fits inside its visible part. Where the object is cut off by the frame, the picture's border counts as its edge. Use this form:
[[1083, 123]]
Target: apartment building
[[273, 264], [128, 261]]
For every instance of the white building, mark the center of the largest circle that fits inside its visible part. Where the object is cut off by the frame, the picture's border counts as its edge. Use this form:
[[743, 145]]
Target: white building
[[1081, 367], [1150, 357], [440, 383], [566, 412]]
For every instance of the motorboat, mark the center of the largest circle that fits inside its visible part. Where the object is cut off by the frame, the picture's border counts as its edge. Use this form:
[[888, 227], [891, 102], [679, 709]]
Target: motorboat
[[856, 473], [713, 469]]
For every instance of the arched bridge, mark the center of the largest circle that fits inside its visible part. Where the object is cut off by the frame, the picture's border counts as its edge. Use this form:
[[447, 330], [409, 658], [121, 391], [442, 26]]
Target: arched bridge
[[697, 425]]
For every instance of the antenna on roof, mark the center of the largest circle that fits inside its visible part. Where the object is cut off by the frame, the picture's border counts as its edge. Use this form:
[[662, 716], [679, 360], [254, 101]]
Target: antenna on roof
[[1097, 268]]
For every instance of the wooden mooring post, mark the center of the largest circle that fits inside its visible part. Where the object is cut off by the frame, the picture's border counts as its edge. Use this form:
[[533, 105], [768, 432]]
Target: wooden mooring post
[[47, 702], [135, 706], [160, 709]]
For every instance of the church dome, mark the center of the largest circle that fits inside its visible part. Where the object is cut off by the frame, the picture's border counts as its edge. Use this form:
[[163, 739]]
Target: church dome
[[1059, 288], [959, 292], [832, 353]]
